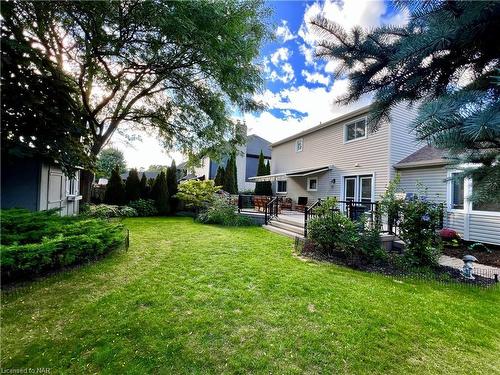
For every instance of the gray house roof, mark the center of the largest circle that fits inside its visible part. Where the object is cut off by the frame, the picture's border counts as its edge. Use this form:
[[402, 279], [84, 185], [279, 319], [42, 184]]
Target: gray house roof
[[148, 175], [426, 156]]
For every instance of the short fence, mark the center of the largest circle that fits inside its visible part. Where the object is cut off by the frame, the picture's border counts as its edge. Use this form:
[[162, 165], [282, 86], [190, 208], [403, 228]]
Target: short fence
[[482, 277]]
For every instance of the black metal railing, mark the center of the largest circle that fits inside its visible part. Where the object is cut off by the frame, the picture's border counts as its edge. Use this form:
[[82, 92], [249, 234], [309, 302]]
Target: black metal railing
[[309, 213], [271, 211]]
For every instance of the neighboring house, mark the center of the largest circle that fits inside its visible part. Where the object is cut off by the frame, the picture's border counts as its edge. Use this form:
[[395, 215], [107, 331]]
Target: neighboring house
[[342, 158], [247, 161], [39, 185], [148, 175], [427, 168]]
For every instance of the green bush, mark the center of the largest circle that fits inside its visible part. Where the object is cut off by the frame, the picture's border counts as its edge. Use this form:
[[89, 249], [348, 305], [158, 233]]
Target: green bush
[[144, 207], [333, 232], [32, 249], [106, 211], [369, 245], [419, 231], [222, 212]]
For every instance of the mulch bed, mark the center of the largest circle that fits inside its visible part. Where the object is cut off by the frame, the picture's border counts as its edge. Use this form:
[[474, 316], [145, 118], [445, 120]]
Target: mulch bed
[[439, 273], [491, 258]]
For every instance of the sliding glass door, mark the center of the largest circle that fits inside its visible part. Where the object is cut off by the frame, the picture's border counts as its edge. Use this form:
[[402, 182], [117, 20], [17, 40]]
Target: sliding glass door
[[358, 188]]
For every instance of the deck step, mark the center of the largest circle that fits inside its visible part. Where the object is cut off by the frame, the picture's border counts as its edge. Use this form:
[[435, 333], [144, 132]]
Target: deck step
[[286, 220], [281, 231], [286, 226]]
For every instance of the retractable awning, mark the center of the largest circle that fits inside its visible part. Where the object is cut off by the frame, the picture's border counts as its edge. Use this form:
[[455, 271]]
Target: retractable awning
[[293, 173]]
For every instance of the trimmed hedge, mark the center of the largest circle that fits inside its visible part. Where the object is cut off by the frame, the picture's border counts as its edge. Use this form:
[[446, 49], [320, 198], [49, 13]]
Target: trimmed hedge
[[35, 243]]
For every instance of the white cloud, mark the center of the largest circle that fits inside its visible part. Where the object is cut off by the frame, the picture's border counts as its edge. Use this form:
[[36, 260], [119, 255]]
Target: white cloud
[[317, 104], [284, 32], [315, 77], [308, 53], [287, 75], [281, 54]]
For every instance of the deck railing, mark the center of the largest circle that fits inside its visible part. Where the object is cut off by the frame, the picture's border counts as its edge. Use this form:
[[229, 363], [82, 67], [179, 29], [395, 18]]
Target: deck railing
[[272, 208]]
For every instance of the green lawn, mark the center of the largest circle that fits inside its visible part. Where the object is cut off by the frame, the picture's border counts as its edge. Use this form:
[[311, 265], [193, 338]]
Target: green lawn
[[191, 298]]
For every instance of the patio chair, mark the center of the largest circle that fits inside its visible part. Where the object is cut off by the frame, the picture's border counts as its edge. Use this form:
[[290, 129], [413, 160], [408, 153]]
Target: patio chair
[[301, 204], [286, 203]]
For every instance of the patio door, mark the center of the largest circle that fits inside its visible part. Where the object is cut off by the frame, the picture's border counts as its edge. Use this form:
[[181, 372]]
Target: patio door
[[358, 188]]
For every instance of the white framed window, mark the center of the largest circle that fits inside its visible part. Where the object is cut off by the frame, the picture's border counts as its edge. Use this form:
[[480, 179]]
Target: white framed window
[[355, 130], [458, 192], [312, 184], [72, 186], [299, 145], [281, 187]]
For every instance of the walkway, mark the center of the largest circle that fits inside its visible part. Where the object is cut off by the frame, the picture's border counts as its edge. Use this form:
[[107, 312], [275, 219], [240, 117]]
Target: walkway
[[481, 269]]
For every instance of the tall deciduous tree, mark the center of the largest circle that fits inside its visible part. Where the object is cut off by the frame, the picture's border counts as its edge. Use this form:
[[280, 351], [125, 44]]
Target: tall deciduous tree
[[115, 190], [176, 67], [132, 186], [107, 160], [41, 111], [445, 58]]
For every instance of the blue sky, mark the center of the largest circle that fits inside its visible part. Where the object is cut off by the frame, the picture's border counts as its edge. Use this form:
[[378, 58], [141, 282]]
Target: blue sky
[[300, 90]]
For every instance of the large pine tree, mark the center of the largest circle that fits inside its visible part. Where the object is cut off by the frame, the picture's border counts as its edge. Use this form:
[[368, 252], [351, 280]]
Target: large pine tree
[[115, 190], [445, 58], [132, 186], [260, 186]]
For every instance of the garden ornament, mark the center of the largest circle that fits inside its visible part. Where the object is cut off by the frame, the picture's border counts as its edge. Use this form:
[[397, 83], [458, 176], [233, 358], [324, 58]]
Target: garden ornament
[[468, 266]]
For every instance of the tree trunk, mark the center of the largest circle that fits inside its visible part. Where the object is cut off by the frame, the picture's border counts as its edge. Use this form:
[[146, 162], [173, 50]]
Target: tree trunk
[[86, 180]]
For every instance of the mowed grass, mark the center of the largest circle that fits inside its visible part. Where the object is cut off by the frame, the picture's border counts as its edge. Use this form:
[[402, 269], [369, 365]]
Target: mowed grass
[[196, 299]]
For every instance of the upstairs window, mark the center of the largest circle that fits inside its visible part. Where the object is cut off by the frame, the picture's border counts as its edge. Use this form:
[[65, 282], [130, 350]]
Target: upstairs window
[[355, 130], [299, 145]]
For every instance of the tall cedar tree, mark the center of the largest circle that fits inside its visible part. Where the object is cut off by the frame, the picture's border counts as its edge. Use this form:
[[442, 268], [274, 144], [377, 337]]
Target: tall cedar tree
[[219, 177], [115, 190], [230, 176], [260, 188], [178, 67], [445, 58], [160, 194], [268, 187], [144, 188], [172, 186], [132, 186]]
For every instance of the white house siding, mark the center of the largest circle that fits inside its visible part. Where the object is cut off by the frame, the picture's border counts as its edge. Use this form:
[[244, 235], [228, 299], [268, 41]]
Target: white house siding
[[402, 138], [473, 226], [484, 228], [326, 147], [432, 178], [54, 191]]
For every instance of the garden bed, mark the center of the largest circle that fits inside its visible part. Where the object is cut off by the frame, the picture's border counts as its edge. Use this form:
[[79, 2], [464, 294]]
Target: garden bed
[[391, 267], [483, 256]]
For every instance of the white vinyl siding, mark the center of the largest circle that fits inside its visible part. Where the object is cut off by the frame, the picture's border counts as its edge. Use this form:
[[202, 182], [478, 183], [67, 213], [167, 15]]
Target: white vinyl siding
[[473, 226]]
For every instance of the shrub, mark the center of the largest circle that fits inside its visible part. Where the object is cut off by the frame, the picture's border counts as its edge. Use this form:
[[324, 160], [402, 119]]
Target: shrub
[[369, 246], [327, 206], [144, 207], [160, 194], [334, 231], [418, 230], [51, 242], [106, 211], [222, 212], [196, 193]]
